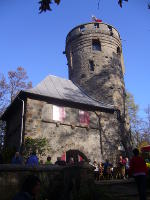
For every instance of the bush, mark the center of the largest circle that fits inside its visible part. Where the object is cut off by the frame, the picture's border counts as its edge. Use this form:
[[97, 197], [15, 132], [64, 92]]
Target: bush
[[39, 145]]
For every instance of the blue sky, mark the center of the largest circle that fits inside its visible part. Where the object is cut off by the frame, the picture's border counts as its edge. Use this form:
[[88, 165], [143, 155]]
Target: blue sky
[[36, 41]]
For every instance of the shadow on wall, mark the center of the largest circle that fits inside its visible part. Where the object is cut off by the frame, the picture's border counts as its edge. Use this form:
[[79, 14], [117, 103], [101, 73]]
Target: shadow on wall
[[106, 88], [59, 183]]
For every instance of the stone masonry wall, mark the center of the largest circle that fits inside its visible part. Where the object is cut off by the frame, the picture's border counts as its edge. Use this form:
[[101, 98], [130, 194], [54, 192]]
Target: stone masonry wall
[[63, 136], [96, 141]]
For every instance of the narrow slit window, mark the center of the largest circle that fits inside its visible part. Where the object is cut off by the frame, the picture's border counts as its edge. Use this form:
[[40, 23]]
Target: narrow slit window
[[96, 45], [82, 28], [91, 65], [118, 51], [111, 31], [96, 25], [70, 59]]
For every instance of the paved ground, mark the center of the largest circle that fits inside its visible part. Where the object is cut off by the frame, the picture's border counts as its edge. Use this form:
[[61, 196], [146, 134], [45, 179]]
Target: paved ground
[[117, 190]]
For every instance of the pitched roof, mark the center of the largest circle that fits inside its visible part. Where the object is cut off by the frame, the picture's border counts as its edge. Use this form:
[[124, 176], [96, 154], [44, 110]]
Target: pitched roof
[[66, 90]]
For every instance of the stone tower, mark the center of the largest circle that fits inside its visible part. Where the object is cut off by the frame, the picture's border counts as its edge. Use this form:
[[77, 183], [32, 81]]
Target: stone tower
[[94, 55], [95, 62]]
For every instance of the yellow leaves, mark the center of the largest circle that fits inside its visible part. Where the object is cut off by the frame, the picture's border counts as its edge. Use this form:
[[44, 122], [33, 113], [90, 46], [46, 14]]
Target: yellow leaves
[[148, 165]]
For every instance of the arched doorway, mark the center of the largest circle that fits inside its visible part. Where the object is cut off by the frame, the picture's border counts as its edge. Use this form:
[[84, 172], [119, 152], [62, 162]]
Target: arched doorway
[[77, 156]]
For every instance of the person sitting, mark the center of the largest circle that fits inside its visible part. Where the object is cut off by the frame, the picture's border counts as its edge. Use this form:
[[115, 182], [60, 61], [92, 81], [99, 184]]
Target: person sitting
[[90, 162], [96, 170], [33, 159], [17, 159], [30, 189], [101, 170], [60, 162], [48, 162], [71, 161]]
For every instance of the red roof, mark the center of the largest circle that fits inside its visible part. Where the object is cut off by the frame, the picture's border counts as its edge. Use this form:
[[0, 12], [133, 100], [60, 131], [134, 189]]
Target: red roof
[[146, 148]]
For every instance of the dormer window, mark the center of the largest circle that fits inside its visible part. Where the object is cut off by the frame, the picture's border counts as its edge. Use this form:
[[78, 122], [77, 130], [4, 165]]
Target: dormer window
[[96, 45]]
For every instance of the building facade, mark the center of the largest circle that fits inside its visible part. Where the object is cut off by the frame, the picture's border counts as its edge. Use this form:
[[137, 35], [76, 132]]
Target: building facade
[[85, 114]]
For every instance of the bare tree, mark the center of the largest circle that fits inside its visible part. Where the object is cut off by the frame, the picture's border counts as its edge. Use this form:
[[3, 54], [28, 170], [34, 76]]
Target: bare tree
[[3, 104], [146, 127], [136, 123], [3, 93], [17, 81], [140, 127]]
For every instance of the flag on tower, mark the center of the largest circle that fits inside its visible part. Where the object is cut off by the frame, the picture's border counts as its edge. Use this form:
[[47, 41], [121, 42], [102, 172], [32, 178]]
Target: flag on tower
[[94, 19]]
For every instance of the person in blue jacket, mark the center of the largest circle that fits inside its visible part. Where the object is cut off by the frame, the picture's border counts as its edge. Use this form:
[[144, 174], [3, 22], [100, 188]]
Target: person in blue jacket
[[33, 159]]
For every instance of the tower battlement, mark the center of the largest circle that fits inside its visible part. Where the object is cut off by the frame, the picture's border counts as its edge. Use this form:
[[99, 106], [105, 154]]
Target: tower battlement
[[93, 27]]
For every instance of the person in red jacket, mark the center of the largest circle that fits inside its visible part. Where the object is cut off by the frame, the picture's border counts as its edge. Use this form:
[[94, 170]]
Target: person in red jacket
[[139, 170]]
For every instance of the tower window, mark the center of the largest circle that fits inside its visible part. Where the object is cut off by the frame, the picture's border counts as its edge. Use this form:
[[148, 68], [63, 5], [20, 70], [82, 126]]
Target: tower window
[[96, 25], [118, 51], [110, 29], [96, 45], [91, 65], [71, 59], [83, 76], [82, 28]]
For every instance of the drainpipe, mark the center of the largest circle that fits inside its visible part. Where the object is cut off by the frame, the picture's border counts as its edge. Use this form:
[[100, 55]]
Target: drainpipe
[[22, 115], [100, 131]]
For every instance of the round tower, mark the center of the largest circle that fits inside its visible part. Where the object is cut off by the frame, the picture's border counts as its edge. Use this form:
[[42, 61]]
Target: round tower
[[95, 62]]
